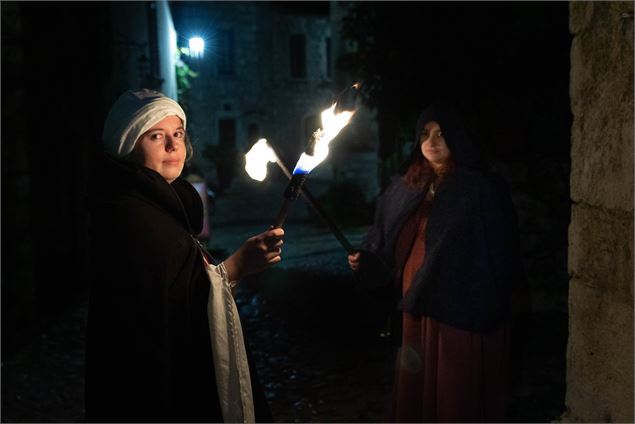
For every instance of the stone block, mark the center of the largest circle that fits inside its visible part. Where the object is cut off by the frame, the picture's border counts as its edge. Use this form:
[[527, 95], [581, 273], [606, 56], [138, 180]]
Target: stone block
[[601, 90], [599, 356], [584, 15], [602, 157], [601, 250], [580, 16]]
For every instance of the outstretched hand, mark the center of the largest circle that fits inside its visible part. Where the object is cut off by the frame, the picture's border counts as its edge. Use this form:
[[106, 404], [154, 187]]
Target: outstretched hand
[[353, 261], [256, 254]]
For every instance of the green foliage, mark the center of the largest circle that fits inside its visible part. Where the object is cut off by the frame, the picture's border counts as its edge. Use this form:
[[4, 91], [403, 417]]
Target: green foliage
[[346, 204], [184, 74], [388, 61], [358, 28], [390, 64]]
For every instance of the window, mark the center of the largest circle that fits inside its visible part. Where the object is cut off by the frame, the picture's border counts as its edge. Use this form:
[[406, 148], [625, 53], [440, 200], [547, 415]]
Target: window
[[226, 52], [297, 56]]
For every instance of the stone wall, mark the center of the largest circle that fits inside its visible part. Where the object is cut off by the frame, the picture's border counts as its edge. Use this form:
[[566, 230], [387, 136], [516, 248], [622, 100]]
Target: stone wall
[[600, 347], [261, 92], [130, 53]]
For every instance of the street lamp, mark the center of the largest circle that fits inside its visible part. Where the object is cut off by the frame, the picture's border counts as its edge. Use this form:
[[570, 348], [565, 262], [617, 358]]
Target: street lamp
[[197, 47]]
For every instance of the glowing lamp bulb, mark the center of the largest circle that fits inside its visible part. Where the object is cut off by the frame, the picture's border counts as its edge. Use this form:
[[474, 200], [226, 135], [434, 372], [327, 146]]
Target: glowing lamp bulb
[[197, 46]]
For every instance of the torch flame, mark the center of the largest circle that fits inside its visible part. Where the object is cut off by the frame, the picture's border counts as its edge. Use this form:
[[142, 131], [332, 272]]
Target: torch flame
[[332, 124], [257, 158]]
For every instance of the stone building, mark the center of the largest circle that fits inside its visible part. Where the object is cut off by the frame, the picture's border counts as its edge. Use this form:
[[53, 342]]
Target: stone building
[[267, 71], [264, 73], [144, 38]]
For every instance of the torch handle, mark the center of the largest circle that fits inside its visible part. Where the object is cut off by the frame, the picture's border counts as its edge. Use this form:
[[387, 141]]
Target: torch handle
[[282, 215], [316, 207], [290, 195]]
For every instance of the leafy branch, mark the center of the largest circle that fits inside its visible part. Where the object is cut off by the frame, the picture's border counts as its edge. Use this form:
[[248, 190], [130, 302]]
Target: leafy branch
[[184, 75]]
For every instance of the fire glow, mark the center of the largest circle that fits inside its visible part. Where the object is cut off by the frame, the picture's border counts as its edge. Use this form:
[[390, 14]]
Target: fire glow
[[257, 170], [332, 124], [317, 150], [257, 158]]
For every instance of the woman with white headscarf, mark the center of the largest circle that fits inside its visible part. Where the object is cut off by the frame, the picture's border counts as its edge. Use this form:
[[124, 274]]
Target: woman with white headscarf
[[164, 340]]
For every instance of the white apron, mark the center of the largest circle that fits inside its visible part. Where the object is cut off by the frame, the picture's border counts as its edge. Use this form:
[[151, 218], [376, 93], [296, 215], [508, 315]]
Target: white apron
[[230, 358]]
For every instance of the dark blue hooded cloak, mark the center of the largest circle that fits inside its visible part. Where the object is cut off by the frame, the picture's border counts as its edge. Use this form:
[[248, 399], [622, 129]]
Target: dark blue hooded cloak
[[472, 260]]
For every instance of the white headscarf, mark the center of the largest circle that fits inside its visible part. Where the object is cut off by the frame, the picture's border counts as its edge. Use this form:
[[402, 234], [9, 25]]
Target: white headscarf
[[134, 113]]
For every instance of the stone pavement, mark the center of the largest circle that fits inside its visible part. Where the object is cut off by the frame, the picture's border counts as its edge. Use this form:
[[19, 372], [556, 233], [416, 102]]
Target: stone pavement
[[319, 358], [315, 362], [321, 363], [43, 381], [248, 207]]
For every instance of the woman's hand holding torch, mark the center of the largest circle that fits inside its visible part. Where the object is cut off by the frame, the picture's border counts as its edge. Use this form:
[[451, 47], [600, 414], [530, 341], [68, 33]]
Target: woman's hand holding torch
[[353, 260], [256, 254]]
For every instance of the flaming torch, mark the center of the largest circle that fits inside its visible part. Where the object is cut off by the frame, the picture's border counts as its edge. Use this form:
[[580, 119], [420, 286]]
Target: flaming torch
[[318, 148], [256, 166], [333, 120]]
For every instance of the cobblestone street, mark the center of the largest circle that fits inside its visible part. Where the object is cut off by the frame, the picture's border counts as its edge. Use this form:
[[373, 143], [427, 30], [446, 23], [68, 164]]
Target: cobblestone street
[[320, 358]]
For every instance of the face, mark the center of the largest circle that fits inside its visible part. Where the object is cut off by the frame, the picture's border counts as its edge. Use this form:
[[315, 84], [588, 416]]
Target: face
[[433, 145], [162, 148]]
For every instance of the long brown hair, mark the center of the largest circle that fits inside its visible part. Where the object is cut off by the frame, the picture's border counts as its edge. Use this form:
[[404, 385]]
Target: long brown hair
[[420, 172]]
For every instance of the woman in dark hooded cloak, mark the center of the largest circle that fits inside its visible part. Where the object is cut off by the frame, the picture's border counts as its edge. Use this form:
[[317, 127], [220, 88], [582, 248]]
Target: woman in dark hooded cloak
[[445, 236], [164, 340]]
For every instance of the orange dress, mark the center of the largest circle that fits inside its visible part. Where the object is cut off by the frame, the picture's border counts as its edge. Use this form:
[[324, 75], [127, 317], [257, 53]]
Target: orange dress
[[443, 373]]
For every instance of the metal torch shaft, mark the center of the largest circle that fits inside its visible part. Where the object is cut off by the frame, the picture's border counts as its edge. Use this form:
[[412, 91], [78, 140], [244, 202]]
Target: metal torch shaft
[[282, 214], [334, 229], [290, 195], [316, 207]]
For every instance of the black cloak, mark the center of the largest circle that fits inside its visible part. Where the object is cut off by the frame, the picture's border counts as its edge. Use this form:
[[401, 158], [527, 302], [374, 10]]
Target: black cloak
[[148, 352], [472, 258]]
